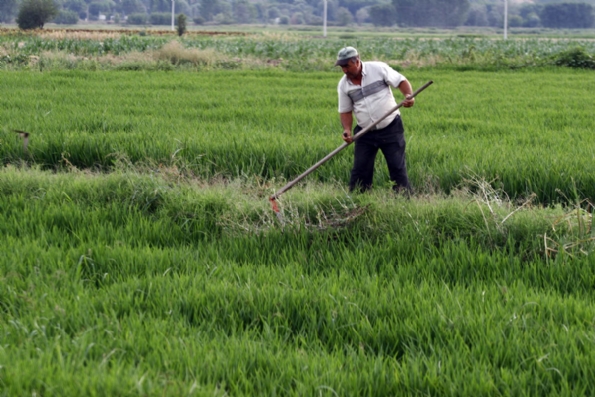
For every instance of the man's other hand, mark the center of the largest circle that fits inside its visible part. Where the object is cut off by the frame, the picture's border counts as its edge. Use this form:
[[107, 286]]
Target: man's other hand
[[409, 101], [347, 136]]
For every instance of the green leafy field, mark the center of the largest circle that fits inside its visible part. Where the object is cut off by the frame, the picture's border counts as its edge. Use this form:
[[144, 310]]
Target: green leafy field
[[129, 50], [140, 255]]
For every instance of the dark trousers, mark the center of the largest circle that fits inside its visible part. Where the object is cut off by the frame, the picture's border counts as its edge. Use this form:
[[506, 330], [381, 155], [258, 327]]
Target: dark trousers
[[391, 141]]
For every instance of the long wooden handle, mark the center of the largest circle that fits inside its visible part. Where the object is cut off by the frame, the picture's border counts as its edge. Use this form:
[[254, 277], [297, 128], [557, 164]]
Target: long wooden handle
[[343, 146]]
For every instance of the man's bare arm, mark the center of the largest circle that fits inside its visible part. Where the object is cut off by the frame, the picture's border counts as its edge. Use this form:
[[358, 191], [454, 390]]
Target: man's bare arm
[[347, 123], [407, 90]]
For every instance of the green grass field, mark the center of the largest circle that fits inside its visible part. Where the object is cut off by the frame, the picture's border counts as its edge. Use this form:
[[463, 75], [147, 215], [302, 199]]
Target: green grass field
[[526, 131], [141, 257]]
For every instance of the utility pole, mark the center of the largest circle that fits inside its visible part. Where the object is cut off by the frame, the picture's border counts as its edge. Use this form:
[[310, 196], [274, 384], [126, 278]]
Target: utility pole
[[173, 12], [324, 18], [505, 19]]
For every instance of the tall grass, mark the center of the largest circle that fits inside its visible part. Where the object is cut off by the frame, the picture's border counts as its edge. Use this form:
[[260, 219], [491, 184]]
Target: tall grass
[[140, 255], [136, 284], [524, 132]]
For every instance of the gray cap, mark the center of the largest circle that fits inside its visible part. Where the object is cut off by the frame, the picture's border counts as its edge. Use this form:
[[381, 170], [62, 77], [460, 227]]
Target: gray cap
[[345, 54]]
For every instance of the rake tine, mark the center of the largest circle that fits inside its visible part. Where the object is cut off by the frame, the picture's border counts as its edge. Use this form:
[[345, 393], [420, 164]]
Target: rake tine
[[25, 136]]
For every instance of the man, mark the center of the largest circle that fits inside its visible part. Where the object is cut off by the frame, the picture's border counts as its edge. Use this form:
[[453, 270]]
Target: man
[[365, 90]]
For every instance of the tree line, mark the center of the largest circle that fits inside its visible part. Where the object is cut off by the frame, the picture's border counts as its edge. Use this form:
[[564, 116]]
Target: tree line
[[401, 13]]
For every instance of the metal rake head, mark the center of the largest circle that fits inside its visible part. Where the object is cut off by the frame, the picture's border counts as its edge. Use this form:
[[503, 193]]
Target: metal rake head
[[25, 136]]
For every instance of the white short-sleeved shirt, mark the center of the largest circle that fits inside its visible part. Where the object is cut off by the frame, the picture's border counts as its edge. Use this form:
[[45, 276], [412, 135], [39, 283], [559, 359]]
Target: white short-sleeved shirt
[[371, 108]]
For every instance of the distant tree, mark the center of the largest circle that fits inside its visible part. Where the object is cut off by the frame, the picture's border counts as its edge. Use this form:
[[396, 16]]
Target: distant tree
[[332, 6], [531, 21], [567, 15], [528, 8], [297, 19], [139, 18], [182, 7], [382, 15], [362, 15], [223, 18], [181, 24], [441, 13], [131, 6], [243, 11], [75, 5], [495, 16], [34, 14], [273, 13], [355, 5], [515, 21], [344, 17], [225, 8], [477, 16], [530, 14], [67, 17], [160, 18], [303, 8], [315, 20], [8, 9], [208, 9], [159, 6], [98, 7]]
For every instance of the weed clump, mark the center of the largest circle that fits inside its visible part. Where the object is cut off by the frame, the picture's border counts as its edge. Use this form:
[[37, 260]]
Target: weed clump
[[175, 53], [575, 58]]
